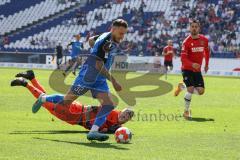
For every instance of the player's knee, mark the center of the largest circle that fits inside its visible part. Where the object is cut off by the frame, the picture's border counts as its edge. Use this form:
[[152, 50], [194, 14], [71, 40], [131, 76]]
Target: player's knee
[[201, 91], [68, 100], [190, 89], [107, 101]]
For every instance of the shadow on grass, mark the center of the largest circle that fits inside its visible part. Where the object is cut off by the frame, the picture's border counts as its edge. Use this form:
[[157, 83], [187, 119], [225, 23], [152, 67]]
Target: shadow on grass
[[198, 119], [90, 144], [50, 132]]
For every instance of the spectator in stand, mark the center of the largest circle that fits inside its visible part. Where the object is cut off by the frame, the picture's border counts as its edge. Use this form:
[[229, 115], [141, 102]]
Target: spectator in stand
[[6, 40]]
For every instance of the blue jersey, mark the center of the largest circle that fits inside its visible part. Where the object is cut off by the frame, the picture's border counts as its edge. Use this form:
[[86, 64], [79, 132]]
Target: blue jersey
[[76, 48], [88, 70]]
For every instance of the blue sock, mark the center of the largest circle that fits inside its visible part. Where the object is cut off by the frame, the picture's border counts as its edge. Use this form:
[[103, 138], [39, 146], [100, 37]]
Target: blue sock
[[55, 98], [102, 115]]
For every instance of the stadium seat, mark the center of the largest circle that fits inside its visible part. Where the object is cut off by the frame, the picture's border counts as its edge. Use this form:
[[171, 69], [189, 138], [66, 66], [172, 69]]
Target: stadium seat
[[29, 15]]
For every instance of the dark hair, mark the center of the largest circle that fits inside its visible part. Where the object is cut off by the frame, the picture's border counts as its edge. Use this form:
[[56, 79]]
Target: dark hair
[[129, 111], [120, 23], [194, 21]]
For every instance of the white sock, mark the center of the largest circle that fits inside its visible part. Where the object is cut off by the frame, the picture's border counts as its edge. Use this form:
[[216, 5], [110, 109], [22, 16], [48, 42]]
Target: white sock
[[195, 91], [187, 99], [94, 128], [43, 99]]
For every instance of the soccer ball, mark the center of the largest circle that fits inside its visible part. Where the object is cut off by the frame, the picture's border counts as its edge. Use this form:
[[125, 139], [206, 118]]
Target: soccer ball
[[123, 135]]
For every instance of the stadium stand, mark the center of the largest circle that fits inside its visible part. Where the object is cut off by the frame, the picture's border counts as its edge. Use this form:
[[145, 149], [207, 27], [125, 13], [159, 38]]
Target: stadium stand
[[31, 14], [152, 23], [14, 6], [2, 2]]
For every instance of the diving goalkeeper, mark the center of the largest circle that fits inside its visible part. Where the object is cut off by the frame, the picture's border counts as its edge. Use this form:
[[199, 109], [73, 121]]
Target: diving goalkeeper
[[74, 113]]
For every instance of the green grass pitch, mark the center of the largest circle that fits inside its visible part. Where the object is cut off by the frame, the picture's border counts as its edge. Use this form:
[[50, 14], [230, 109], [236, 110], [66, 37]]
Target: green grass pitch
[[25, 136]]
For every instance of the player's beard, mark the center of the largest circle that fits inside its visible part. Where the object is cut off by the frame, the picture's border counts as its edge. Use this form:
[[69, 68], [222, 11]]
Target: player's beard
[[194, 33]]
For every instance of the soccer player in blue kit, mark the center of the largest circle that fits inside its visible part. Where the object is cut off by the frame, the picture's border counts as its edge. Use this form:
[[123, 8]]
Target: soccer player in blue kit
[[93, 76], [75, 60]]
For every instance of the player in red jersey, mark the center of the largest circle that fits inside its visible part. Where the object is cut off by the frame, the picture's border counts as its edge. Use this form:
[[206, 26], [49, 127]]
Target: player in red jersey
[[75, 113], [194, 49], [168, 53]]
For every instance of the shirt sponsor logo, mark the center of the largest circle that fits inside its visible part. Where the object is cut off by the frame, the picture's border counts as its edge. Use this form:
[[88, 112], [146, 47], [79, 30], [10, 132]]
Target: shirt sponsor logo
[[198, 49]]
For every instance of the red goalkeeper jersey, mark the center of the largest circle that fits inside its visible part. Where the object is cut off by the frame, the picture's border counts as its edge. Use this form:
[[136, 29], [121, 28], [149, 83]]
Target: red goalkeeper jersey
[[193, 51], [76, 113], [85, 116]]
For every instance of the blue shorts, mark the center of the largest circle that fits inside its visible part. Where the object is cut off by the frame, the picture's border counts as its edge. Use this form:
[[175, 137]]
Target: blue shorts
[[80, 87]]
